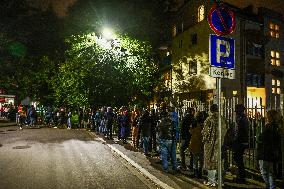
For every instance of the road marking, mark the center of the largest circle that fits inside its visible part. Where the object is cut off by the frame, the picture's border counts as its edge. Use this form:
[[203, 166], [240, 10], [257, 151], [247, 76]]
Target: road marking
[[157, 181]]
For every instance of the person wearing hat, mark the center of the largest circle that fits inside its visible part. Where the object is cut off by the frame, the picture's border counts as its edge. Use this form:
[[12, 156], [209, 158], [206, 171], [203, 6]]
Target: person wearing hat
[[240, 141]]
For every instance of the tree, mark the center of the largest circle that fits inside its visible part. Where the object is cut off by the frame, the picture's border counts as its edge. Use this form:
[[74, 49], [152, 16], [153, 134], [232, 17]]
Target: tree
[[100, 72], [191, 74]]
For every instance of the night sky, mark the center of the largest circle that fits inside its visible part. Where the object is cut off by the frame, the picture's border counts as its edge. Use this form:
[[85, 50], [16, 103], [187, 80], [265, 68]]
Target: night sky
[[277, 5], [60, 7]]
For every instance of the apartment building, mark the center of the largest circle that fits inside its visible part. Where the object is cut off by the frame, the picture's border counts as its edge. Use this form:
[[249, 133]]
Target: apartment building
[[259, 54]]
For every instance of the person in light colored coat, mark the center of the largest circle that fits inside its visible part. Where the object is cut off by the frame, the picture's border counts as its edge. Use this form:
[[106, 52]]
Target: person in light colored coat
[[210, 140]]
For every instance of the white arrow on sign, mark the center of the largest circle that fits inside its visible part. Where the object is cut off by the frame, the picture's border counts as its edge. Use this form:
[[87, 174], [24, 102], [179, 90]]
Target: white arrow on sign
[[222, 72]]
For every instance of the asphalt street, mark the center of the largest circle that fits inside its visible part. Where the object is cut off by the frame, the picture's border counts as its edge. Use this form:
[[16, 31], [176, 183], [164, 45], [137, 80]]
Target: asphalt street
[[50, 158]]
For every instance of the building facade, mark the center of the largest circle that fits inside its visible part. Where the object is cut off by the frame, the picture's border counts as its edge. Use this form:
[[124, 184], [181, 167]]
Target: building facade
[[259, 54]]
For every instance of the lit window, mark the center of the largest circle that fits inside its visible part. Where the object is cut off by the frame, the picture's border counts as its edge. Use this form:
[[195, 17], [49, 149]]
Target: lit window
[[274, 30], [272, 33], [273, 62], [276, 86], [272, 54], [174, 31], [273, 82], [278, 83], [201, 13], [275, 58]]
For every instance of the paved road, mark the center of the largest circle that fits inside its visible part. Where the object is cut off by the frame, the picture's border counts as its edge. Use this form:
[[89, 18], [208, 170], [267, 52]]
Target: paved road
[[50, 158]]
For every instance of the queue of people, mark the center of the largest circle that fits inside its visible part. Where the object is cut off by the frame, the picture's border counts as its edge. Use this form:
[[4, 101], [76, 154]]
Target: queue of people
[[159, 131]]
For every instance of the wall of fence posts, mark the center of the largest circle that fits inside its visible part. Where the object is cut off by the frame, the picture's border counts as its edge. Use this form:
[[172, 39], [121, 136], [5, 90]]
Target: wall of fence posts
[[255, 113]]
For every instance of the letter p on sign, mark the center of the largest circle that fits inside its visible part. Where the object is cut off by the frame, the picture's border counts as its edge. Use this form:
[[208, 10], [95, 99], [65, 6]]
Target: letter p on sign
[[222, 52]]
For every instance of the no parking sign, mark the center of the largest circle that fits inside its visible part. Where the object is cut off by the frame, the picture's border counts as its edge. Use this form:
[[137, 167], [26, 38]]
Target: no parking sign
[[221, 20]]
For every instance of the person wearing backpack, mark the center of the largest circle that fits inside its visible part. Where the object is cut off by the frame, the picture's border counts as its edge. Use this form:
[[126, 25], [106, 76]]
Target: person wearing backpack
[[240, 141], [167, 133]]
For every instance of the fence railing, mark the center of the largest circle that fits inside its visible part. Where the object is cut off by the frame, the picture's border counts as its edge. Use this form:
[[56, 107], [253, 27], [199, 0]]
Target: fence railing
[[256, 112]]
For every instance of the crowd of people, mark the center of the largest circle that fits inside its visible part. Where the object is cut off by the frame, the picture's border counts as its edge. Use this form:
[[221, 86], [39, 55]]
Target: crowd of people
[[159, 131]]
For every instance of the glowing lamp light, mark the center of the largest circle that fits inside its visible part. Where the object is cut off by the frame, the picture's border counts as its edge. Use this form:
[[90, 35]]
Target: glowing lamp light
[[108, 33]]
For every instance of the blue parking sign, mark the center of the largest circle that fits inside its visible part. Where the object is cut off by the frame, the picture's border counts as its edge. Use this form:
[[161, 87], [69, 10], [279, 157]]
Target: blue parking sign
[[222, 51]]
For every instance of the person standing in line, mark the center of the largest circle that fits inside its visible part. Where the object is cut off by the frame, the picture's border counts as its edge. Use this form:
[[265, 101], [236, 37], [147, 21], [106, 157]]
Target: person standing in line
[[80, 118], [145, 125], [119, 122], [97, 120], [268, 148], [240, 141], [196, 145], [32, 116], [153, 138], [187, 121], [109, 122], [167, 135], [210, 140], [125, 122], [134, 126], [69, 115]]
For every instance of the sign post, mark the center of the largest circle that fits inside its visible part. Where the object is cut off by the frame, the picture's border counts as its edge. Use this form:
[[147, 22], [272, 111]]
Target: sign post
[[222, 60]]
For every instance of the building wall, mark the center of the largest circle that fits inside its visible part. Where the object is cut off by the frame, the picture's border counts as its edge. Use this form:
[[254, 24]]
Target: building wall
[[187, 49], [182, 49], [272, 44]]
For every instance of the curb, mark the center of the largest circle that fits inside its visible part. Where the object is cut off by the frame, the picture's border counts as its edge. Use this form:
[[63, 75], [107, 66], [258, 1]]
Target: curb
[[147, 174], [7, 124], [157, 181]]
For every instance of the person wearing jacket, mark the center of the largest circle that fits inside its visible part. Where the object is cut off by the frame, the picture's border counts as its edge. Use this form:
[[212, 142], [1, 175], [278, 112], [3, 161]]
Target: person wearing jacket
[[145, 125], [210, 140], [240, 141], [268, 148], [134, 127], [187, 122], [153, 138], [167, 133], [196, 144]]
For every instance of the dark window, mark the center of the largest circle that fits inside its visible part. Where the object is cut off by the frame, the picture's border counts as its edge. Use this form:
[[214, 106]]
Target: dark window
[[192, 67], [180, 44], [194, 39], [254, 49]]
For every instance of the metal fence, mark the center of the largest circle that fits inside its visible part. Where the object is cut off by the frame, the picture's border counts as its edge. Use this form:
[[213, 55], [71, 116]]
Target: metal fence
[[256, 111]]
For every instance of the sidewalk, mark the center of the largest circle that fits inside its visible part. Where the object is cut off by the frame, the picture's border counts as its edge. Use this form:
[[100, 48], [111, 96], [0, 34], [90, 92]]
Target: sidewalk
[[4, 122], [153, 166]]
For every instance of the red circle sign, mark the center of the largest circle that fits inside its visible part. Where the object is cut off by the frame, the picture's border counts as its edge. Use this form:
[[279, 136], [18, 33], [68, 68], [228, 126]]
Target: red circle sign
[[221, 20]]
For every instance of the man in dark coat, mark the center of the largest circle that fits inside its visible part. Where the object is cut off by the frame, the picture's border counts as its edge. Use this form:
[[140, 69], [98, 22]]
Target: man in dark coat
[[187, 121], [145, 125], [240, 141], [167, 134], [268, 148]]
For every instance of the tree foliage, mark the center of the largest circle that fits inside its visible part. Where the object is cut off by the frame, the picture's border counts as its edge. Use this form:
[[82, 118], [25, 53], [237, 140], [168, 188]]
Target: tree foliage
[[99, 72], [191, 74]]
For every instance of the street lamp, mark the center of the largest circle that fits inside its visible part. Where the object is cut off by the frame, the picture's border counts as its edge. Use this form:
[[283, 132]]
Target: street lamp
[[108, 34]]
